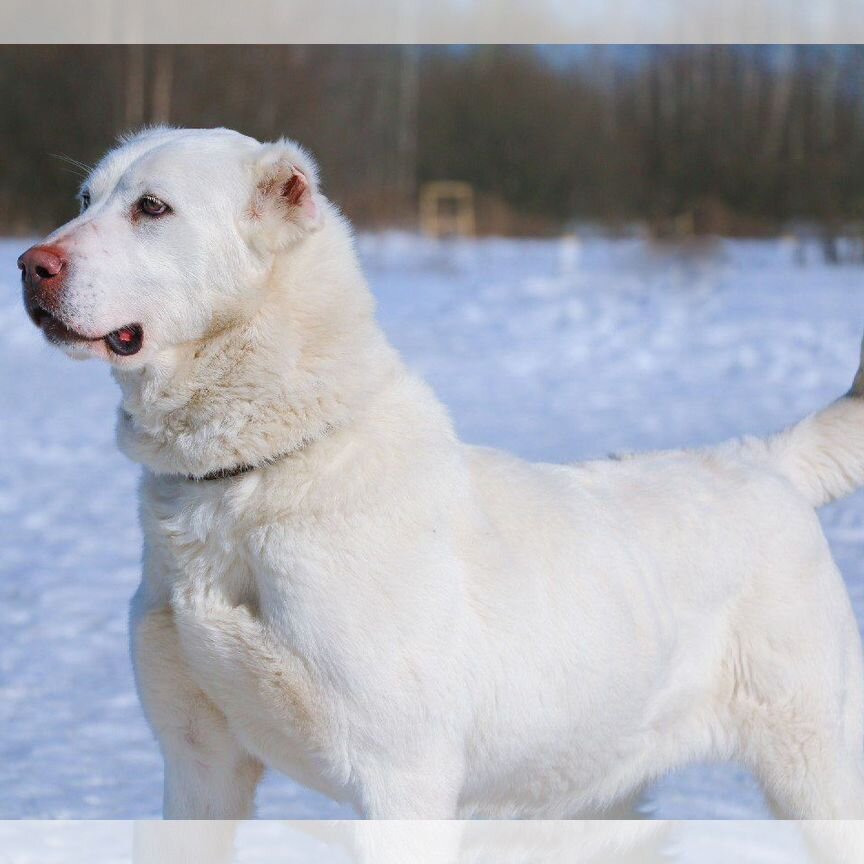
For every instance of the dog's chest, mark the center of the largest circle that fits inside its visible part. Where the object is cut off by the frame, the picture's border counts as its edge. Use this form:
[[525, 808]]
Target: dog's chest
[[196, 534]]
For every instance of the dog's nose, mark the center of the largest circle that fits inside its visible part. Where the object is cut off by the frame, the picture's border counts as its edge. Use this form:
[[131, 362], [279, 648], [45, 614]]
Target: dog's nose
[[39, 263], [42, 270]]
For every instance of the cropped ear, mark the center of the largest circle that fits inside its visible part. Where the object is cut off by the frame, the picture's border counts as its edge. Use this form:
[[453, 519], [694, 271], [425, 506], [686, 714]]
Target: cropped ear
[[286, 203]]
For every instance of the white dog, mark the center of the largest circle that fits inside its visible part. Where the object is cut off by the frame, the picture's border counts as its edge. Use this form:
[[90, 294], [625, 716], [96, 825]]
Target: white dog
[[335, 587]]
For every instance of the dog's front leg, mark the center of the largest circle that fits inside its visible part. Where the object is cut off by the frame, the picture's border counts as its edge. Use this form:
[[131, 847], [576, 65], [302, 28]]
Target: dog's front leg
[[406, 785], [412, 809], [207, 774], [183, 842], [400, 841]]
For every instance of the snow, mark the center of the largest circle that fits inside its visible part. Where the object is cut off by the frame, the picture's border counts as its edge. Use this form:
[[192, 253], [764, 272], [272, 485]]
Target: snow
[[556, 350], [691, 842]]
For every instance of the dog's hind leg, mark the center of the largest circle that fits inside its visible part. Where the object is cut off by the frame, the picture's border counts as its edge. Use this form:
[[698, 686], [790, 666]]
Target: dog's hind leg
[[798, 699], [809, 762]]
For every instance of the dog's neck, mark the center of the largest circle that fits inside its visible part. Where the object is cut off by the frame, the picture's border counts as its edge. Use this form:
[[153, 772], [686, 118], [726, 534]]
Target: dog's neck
[[308, 358]]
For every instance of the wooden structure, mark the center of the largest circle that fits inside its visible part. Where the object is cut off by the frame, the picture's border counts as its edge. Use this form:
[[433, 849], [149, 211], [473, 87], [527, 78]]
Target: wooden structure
[[447, 209]]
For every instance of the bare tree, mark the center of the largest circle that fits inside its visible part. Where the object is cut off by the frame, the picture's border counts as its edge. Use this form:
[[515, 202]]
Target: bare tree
[[135, 86], [544, 135], [162, 84]]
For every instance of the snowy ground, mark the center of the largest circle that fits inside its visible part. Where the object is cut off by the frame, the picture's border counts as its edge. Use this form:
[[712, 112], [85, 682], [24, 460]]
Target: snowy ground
[[555, 350], [271, 842]]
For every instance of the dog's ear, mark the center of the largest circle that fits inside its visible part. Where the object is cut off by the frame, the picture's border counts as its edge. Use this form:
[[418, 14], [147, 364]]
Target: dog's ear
[[286, 203]]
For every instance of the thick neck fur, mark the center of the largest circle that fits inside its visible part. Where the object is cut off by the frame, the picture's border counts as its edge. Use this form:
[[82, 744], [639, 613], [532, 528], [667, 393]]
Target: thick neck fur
[[302, 363]]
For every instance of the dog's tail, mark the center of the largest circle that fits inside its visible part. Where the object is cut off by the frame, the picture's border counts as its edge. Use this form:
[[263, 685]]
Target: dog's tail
[[823, 455]]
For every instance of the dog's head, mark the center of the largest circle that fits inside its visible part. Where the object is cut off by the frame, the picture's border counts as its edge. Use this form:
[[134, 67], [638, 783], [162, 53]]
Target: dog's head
[[175, 238]]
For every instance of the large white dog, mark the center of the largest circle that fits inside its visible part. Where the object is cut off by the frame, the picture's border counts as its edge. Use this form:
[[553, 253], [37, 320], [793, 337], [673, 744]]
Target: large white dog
[[335, 587]]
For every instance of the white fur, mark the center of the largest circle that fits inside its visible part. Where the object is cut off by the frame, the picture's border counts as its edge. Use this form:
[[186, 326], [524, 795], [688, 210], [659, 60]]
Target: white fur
[[410, 624]]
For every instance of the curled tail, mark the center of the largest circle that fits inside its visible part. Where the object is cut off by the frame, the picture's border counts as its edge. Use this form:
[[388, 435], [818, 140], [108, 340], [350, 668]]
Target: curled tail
[[823, 455]]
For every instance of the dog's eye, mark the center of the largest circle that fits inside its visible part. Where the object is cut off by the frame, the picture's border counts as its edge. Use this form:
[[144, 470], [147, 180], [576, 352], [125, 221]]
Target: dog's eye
[[85, 200], [150, 205]]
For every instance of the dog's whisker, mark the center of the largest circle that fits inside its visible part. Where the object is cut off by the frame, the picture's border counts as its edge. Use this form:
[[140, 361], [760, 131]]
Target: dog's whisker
[[82, 169]]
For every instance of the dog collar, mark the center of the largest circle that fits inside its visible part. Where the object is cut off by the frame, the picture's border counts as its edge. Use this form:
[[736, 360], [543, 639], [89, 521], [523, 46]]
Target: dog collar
[[237, 470], [246, 467], [224, 473]]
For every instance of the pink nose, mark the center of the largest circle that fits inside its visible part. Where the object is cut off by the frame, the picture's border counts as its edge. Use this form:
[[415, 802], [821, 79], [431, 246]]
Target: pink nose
[[39, 263], [42, 273]]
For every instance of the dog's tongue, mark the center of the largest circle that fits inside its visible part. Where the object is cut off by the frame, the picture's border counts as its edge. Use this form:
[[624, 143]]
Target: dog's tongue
[[126, 340]]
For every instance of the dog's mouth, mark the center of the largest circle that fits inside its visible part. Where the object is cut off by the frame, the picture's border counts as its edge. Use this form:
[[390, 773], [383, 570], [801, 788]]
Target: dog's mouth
[[124, 341]]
